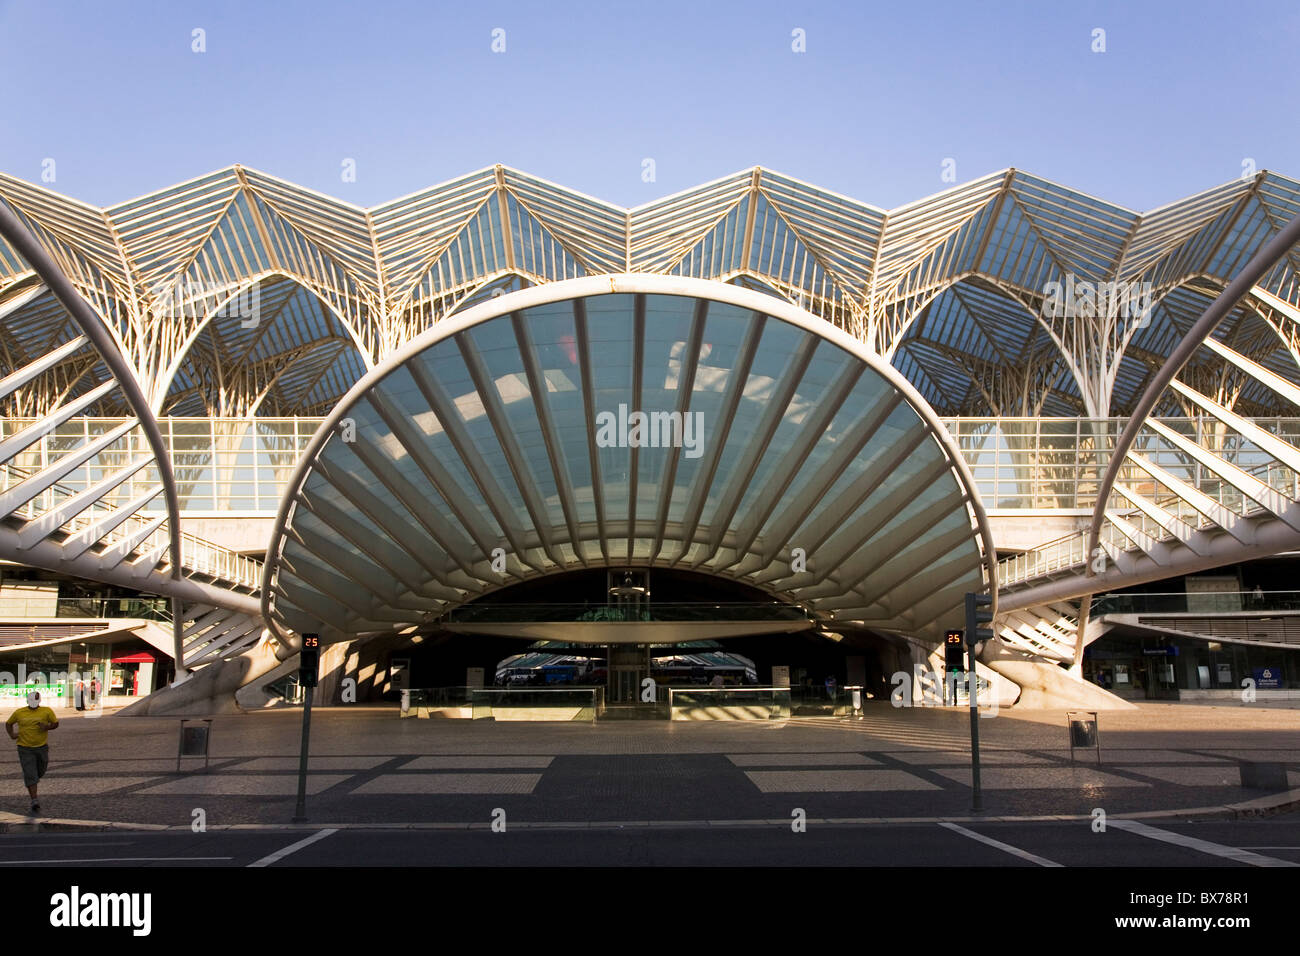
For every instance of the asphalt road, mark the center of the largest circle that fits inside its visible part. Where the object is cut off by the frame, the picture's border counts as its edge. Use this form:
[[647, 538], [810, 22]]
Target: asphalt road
[[1269, 842], [849, 884]]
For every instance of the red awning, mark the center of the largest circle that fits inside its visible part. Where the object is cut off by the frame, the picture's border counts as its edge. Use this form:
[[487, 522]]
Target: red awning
[[140, 657]]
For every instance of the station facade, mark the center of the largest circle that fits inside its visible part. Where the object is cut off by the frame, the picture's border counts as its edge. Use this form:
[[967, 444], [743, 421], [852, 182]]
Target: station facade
[[772, 429]]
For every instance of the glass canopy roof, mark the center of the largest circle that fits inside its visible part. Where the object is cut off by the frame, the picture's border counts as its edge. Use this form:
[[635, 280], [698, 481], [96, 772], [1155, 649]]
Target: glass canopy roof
[[507, 444]]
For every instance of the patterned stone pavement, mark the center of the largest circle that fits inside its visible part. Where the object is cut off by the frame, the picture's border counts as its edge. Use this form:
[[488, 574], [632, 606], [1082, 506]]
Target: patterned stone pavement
[[370, 767]]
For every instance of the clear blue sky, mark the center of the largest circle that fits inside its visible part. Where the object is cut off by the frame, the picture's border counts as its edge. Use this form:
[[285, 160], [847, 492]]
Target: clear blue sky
[[584, 91]]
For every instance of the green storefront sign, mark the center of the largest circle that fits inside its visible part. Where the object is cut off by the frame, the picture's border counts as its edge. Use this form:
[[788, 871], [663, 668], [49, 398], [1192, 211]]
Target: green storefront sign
[[20, 691]]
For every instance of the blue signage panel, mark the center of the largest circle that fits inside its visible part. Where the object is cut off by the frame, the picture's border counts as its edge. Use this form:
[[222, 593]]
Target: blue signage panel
[[1268, 678]]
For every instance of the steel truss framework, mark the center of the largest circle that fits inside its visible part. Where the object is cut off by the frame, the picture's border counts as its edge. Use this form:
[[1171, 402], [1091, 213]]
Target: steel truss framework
[[238, 293], [1161, 524], [47, 525]]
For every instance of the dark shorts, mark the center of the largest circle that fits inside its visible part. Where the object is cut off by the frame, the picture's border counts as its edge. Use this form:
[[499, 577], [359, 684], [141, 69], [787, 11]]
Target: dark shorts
[[34, 761]]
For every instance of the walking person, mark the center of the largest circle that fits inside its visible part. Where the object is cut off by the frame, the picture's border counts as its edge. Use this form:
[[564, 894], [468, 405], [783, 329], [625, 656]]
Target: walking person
[[34, 724]]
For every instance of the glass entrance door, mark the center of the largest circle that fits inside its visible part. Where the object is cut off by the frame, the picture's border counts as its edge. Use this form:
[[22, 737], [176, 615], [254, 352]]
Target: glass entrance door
[[629, 665]]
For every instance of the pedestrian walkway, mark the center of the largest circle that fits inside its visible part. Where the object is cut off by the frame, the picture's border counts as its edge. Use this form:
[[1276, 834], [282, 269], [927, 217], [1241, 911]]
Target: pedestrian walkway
[[888, 726], [369, 767]]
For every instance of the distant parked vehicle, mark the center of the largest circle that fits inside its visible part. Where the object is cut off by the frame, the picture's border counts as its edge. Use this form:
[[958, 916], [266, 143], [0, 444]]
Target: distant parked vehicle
[[559, 674]]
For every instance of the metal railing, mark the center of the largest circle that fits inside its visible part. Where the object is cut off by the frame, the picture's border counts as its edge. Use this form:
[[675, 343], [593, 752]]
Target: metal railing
[[1194, 602], [226, 465], [198, 556], [1070, 551], [220, 464], [705, 611], [242, 465], [21, 608]]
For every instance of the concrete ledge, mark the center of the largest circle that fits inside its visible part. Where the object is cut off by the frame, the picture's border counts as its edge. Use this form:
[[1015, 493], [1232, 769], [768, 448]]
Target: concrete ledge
[[1229, 694], [439, 713]]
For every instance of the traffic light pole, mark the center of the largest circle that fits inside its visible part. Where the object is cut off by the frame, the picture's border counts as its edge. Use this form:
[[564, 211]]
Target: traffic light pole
[[972, 680], [308, 671], [953, 662], [975, 635], [300, 812]]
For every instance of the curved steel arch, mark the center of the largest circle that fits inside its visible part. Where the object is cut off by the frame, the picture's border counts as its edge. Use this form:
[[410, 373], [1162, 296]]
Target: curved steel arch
[[1258, 301], [1150, 540], [862, 266], [758, 306], [1240, 286], [107, 346], [949, 283], [229, 621], [1004, 290], [100, 321], [163, 385], [1214, 286]]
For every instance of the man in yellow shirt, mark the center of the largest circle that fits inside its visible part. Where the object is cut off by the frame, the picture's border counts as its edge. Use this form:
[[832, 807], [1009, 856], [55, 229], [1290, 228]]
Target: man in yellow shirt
[[34, 723]]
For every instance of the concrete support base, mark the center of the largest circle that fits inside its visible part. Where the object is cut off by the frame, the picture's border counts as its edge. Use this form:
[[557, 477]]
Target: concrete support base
[[1005, 691], [211, 690], [1045, 686]]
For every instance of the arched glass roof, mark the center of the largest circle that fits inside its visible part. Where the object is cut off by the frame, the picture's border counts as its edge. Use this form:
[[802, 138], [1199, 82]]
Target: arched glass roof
[[505, 445]]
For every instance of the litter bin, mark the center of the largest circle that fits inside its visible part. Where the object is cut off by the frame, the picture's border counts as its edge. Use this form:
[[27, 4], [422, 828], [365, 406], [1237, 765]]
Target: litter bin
[[195, 734], [1083, 732], [855, 699]]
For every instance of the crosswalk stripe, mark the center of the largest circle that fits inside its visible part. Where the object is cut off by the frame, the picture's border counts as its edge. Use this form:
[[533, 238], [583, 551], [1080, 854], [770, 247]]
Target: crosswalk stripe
[[1004, 847], [1237, 854], [294, 847]]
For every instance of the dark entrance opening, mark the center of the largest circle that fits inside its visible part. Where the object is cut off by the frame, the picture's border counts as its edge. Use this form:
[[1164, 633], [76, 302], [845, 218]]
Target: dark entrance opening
[[817, 661], [821, 664]]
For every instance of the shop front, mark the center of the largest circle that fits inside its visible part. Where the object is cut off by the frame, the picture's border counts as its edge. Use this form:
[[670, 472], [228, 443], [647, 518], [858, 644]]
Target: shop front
[[133, 673], [1174, 668]]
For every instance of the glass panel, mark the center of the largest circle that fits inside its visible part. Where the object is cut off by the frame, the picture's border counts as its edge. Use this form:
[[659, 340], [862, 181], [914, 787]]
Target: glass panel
[[553, 334], [536, 703], [613, 358], [729, 703], [499, 352], [669, 436]]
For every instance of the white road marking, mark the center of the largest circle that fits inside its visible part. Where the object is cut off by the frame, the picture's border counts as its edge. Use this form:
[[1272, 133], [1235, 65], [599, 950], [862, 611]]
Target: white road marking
[[116, 859], [293, 847], [1203, 846], [50, 846], [1004, 847]]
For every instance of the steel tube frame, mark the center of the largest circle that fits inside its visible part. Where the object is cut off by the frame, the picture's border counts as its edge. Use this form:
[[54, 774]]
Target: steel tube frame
[[93, 328], [1241, 286]]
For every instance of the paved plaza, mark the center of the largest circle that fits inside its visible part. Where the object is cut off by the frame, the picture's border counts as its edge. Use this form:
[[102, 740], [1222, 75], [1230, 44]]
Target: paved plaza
[[369, 767]]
